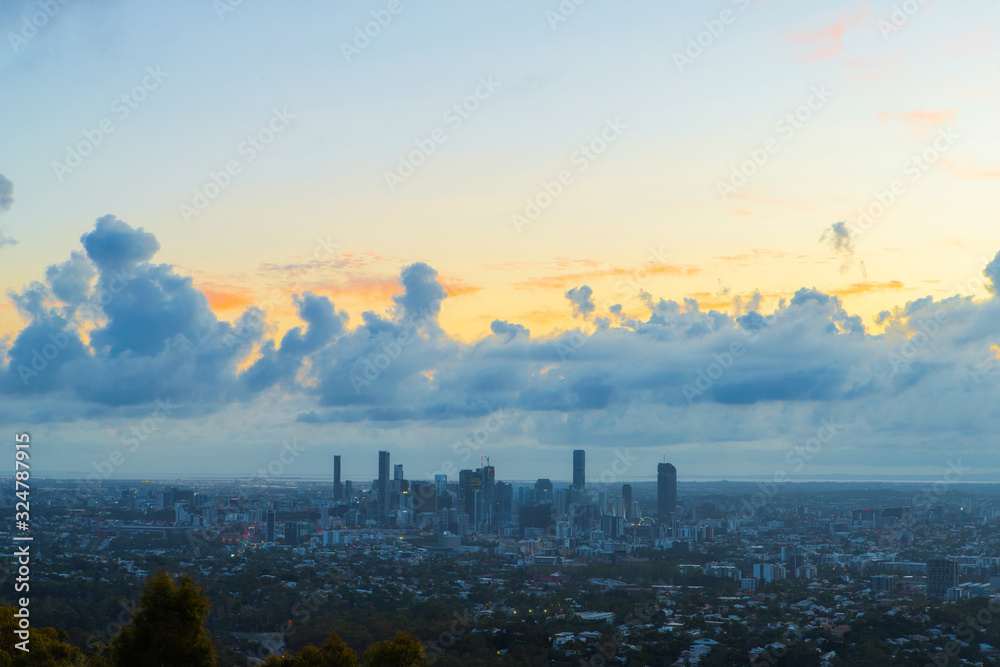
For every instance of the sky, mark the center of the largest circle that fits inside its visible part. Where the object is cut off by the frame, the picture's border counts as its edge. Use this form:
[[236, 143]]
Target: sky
[[755, 238]]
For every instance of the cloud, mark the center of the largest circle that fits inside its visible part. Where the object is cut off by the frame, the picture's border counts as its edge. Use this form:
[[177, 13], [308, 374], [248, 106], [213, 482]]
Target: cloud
[[920, 122], [115, 246], [6, 194], [828, 41], [6, 201], [504, 328], [422, 295], [841, 240], [673, 373], [838, 237], [583, 306]]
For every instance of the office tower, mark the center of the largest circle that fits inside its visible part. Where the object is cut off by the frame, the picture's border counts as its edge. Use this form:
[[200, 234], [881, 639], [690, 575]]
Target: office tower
[[383, 487], [397, 472], [561, 502], [338, 491], [291, 534], [441, 483], [666, 493], [627, 502], [489, 475], [470, 489], [348, 491], [543, 491], [579, 469], [269, 535], [942, 574]]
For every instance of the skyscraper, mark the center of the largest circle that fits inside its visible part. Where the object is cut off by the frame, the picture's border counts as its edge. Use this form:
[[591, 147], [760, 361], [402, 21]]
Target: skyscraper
[[269, 535], [942, 574], [579, 469], [397, 472], [627, 501], [543, 491], [489, 475], [666, 493], [383, 487], [338, 490]]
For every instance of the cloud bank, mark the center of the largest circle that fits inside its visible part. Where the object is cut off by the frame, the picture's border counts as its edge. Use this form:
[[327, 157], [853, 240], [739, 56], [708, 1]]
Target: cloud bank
[[110, 329]]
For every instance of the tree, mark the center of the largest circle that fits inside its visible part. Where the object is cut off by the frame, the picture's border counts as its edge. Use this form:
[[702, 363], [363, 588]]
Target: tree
[[335, 653], [46, 645], [168, 628], [402, 650]]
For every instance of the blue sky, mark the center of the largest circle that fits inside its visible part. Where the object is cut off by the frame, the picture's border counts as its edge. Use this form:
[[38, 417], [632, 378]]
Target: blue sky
[[307, 234]]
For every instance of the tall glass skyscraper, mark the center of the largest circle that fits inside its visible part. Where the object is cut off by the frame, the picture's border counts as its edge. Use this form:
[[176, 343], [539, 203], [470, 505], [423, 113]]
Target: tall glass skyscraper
[[579, 469], [338, 490], [383, 487], [666, 493]]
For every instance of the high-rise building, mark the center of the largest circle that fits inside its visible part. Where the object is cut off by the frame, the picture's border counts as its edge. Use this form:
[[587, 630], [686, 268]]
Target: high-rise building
[[489, 514], [383, 487], [543, 491], [666, 493], [470, 489], [942, 574], [627, 501], [291, 534], [338, 490], [579, 469], [269, 535], [397, 472]]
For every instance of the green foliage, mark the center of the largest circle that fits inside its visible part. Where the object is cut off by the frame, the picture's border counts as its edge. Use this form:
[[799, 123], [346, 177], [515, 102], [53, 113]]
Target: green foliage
[[402, 650], [168, 629], [47, 647]]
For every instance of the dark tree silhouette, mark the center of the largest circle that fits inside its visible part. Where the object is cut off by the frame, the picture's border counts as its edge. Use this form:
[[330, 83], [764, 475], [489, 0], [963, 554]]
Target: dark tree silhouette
[[168, 629], [402, 650]]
